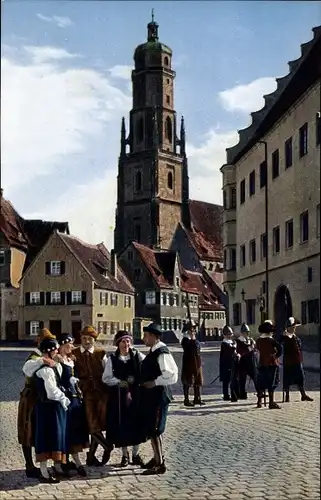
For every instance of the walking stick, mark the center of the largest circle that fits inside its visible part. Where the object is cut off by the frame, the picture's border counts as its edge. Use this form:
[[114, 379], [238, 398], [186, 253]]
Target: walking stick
[[215, 379]]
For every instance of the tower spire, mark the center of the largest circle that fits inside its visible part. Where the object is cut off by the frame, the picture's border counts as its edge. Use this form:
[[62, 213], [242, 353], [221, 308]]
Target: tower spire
[[152, 30], [182, 137]]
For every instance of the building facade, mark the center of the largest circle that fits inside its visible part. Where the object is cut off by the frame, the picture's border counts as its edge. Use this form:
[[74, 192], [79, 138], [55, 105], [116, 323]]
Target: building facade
[[271, 219], [71, 284]]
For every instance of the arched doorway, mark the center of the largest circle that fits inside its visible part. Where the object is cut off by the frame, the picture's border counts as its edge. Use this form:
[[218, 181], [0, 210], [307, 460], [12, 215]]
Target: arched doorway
[[282, 308]]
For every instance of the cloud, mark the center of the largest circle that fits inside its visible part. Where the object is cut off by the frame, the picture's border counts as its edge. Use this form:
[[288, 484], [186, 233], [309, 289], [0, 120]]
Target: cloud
[[60, 21], [121, 71], [47, 53], [249, 97]]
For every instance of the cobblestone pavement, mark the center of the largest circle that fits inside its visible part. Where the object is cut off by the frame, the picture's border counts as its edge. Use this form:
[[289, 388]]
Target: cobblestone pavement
[[221, 451]]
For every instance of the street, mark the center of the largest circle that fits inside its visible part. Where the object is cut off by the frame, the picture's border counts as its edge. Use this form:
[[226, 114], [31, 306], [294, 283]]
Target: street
[[221, 451]]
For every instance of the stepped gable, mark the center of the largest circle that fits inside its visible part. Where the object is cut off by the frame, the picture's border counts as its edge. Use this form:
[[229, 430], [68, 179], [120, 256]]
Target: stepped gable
[[159, 264], [205, 234], [97, 261], [264, 118]]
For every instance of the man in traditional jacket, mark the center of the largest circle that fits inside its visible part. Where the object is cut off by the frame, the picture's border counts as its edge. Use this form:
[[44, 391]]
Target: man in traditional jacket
[[268, 367], [27, 402], [122, 375], [159, 372], [245, 347], [90, 362], [293, 373], [192, 365], [228, 366]]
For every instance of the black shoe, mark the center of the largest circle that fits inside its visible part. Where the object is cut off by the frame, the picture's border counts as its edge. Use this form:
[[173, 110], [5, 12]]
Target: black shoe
[[92, 461], [69, 466], [226, 398], [81, 471], [243, 396], [137, 460], [149, 465], [199, 403], [50, 480], [305, 397], [33, 472], [124, 461], [234, 400], [274, 406], [188, 403], [157, 469], [106, 457], [63, 473]]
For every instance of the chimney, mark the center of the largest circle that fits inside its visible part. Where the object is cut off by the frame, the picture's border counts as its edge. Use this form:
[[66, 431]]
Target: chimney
[[113, 263]]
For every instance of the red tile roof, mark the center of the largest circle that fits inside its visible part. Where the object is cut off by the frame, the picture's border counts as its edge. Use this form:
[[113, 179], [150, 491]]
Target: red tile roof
[[203, 285], [97, 260], [11, 225], [206, 229], [160, 264]]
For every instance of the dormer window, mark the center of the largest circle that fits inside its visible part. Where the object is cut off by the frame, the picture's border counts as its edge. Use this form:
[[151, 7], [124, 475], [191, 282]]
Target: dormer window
[[55, 268], [177, 281]]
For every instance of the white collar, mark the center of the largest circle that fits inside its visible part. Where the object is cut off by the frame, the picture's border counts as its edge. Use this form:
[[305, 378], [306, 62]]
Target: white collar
[[242, 339], [91, 349], [228, 341], [265, 336], [38, 352], [157, 345], [290, 335]]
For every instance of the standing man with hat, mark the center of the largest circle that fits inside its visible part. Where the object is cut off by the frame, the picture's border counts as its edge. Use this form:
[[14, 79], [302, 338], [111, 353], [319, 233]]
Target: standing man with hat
[[245, 347], [293, 373], [27, 402], [268, 368], [90, 363], [192, 364], [122, 375], [159, 372], [229, 366]]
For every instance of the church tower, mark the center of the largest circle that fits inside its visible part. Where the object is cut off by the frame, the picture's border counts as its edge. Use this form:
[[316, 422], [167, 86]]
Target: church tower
[[152, 194]]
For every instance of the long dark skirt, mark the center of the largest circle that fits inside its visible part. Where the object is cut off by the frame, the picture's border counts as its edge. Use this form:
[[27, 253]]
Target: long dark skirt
[[293, 375], [153, 412], [77, 428], [268, 378], [122, 426], [50, 431]]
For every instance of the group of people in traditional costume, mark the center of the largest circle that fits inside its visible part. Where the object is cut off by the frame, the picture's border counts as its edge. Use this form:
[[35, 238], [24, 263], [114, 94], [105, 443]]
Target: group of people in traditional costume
[[242, 358], [73, 395]]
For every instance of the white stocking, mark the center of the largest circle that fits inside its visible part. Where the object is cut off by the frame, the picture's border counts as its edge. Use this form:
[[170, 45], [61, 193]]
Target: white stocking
[[135, 450], [125, 451], [44, 469], [58, 467]]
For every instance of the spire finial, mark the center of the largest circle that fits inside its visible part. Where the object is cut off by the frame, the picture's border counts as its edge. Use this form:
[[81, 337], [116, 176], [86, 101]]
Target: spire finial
[[152, 15], [152, 30]]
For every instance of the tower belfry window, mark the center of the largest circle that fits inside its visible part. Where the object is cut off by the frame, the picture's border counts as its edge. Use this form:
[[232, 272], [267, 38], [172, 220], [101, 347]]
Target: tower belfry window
[[170, 180], [140, 130], [168, 129], [138, 181], [137, 234], [166, 61]]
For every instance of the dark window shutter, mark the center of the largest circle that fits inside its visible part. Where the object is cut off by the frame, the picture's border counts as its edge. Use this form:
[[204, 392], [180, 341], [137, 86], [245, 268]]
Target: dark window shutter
[[48, 297], [27, 298], [41, 325], [62, 267], [48, 267], [143, 296], [68, 297], [62, 298], [27, 327], [157, 297], [42, 298], [83, 297]]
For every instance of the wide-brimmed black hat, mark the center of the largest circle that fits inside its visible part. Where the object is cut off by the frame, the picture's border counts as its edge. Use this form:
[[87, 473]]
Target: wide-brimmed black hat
[[153, 328], [290, 322], [48, 345], [65, 338], [267, 327], [121, 335]]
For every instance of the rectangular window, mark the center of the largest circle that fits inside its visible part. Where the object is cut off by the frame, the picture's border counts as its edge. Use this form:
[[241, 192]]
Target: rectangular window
[[313, 311], [2, 257], [263, 246], [242, 256], [310, 274], [303, 140], [318, 221], [242, 191], [127, 301], [237, 314], [150, 297], [304, 226], [55, 267], [288, 153], [35, 298], [263, 174], [176, 300], [275, 164], [276, 240], [104, 298], [252, 183], [76, 297], [318, 128], [252, 251], [232, 259], [304, 313], [225, 200], [55, 297], [250, 311], [34, 328], [137, 274], [113, 299], [233, 198], [225, 259], [289, 233], [164, 299], [168, 99], [177, 283]]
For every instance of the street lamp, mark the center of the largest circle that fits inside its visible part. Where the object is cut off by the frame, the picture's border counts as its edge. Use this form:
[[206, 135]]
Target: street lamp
[[266, 228], [243, 293]]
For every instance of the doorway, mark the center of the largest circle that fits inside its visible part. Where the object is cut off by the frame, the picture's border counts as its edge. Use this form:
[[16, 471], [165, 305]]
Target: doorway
[[12, 331], [75, 330], [282, 308], [55, 327]]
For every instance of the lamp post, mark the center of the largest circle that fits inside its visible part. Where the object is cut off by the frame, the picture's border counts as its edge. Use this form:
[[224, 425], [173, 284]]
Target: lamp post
[[266, 228]]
